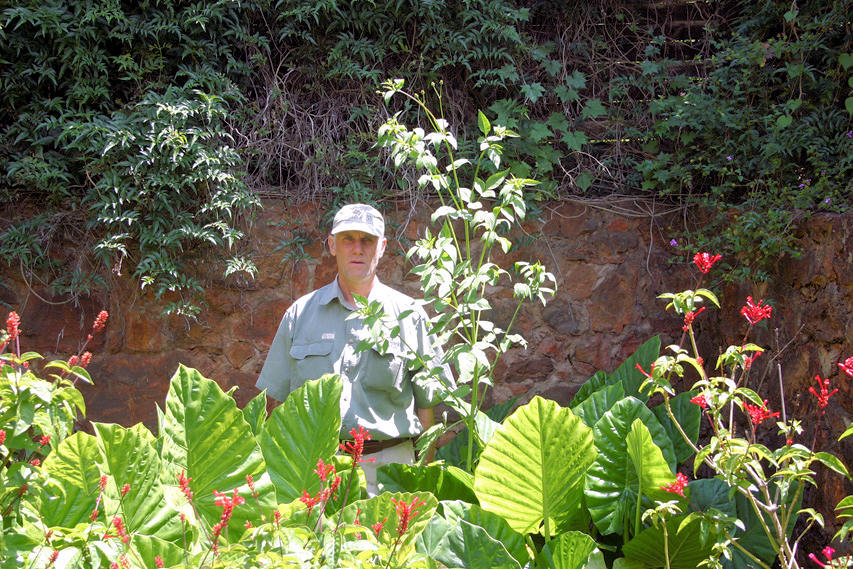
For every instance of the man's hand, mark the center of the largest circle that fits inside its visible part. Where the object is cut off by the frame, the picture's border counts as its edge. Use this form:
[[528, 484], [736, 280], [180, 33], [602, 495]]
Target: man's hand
[[427, 419]]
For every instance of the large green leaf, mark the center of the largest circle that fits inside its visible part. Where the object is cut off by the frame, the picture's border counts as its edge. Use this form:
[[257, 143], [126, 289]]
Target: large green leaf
[[688, 415], [627, 374], [204, 434], [532, 469], [712, 494], [73, 476], [128, 456], [593, 408], [255, 412], [445, 482], [461, 544], [300, 431], [685, 546], [495, 526], [612, 482], [571, 550], [651, 470], [630, 376]]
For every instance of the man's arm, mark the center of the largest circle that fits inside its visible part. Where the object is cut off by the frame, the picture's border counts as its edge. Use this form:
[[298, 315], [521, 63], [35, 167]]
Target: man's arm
[[427, 419]]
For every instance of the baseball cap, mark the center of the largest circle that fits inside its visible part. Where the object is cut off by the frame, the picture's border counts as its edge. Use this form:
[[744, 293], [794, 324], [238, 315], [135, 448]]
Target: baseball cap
[[359, 217]]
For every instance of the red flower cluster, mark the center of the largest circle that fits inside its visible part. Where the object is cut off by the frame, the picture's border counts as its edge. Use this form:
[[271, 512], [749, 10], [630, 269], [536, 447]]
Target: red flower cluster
[[690, 317], [324, 472], [755, 312], [13, 326], [158, 561], [44, 440], [700, 401], [678, 486], [847, 366], [227, 504], [704, 261], [53, 557], [825, 394], [251, 482], [748, 360], [125, 489], [355, 448], [405, 513], [2, 436], [758, 414]]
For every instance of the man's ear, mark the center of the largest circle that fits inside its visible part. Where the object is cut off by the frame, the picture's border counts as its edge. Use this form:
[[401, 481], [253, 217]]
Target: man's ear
[[331, 243], [382, 244]]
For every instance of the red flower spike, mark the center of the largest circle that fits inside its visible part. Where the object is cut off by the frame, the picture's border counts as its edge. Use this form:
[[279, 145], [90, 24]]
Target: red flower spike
[[35, 462], [13, 325], [94, 515], [85, 359], [324, 471], [377, 527], [690, 317], [248, 524], [2, 436], [676, 487], [184, 483], [251, 482], [103, 482], [158, 561], [227, 504], [758, 414], [120, 530], [73, 360], [847, 366], [44, 440], [405, 513], [125, 489], [825, 394], [113, 565], [748, 360], [651, 370], [355, 448], [53, 557], [704, 261], [755, 313], [100, 321]]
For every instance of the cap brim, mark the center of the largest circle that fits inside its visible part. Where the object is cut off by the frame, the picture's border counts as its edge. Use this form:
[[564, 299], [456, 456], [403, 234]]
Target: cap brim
[[355, 226]]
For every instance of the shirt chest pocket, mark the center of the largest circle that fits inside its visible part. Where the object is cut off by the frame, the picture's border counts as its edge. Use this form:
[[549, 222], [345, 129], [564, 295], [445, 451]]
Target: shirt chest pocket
[[312, 360], [384, 371]]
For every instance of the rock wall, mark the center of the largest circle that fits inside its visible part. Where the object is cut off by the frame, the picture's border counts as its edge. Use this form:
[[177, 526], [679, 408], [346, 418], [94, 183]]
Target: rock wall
[[609, 269]]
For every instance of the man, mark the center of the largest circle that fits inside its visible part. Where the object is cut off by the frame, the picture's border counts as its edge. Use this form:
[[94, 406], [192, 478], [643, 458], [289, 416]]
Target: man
[[319, 334]]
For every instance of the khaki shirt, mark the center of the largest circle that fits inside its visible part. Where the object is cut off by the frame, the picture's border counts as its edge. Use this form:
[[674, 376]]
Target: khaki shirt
[[316, 337]]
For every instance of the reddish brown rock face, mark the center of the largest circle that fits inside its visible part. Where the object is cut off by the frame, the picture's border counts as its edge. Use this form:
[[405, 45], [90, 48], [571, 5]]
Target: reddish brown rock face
[[608, 276]]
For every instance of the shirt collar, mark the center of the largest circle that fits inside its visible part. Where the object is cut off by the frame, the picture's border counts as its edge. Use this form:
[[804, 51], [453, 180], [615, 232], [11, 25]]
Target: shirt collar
[[333, 291]]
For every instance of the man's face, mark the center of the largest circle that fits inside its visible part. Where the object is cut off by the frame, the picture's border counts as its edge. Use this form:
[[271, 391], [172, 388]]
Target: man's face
[[357, 254]]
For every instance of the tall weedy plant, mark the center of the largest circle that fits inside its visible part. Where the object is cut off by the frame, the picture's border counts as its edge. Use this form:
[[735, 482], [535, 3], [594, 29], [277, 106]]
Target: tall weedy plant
[[480, 204]]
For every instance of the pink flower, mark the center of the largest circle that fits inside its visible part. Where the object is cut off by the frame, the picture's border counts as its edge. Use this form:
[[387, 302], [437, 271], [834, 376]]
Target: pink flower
[[676, 487], [825, 394], [704, 261], [755, 312], [828, 552], [405, 513], [355, 448], [13, 325], [847, 366], [758, 414], [700, 401]]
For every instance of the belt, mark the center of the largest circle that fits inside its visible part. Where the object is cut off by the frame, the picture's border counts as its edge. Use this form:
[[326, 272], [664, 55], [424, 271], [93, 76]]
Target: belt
[[372, 447]]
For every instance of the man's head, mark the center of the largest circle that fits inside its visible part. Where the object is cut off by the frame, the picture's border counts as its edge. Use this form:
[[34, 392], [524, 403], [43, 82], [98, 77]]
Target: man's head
[[357, 242], [359, 217]]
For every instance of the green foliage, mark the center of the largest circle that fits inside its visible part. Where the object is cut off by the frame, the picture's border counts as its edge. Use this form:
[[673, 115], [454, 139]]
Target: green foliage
[[114, 133], [760, 141]]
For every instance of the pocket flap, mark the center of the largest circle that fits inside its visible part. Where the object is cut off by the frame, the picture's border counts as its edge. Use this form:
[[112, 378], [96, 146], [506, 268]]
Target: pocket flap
[[301, 351]]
